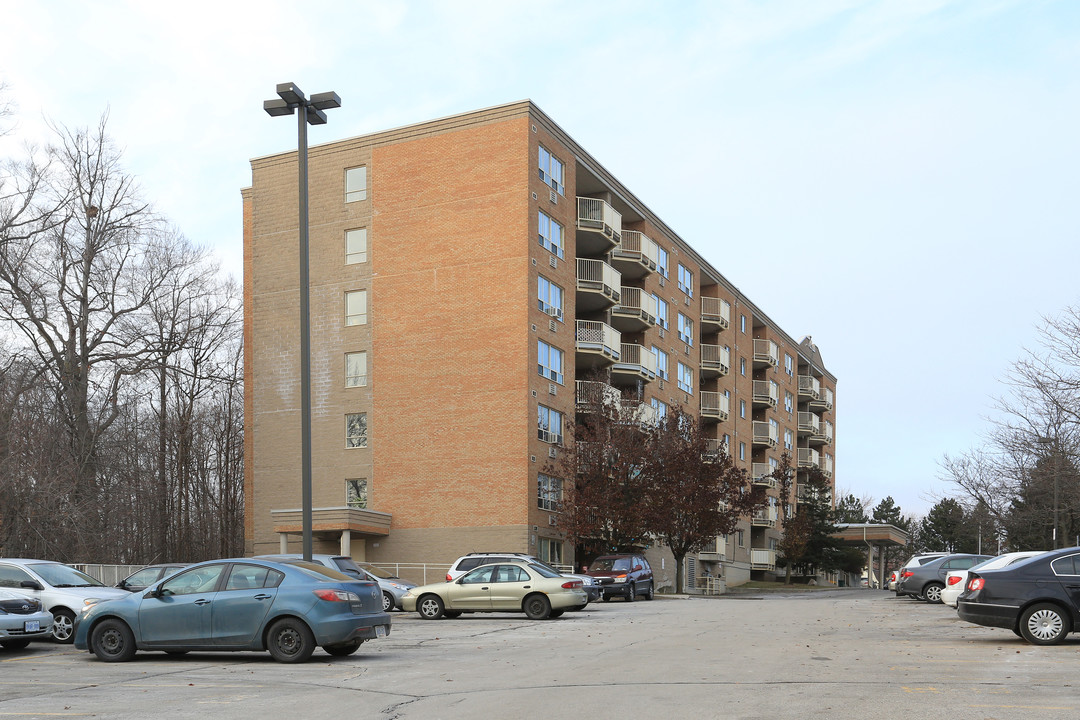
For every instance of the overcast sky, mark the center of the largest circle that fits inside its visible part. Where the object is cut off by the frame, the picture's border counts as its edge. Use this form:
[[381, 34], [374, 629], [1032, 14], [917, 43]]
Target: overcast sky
[[897, 179]]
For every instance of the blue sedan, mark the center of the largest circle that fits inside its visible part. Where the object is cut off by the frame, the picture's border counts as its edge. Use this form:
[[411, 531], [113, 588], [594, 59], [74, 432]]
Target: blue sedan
[[239, 604]]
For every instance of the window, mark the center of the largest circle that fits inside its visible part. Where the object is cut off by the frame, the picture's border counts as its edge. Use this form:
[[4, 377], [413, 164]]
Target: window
[[549, 425], [686, 329], [356, 430], [742, 408], [742, 323], [742, 366], [661, 261], [661, 312], [356, 493], [549, 297], [551, 170], [551, 234], [550, 551], [549, 362], [355, 246], [740, 540], [775, 427], [789, 365], [788, 441], [548, 492], [742, 451], [356, 369], [686, 281], [789, 401], [247, 577], [659, 407], [686, 378], [356, 184], [202, 579], [661, 362], [356, 307]]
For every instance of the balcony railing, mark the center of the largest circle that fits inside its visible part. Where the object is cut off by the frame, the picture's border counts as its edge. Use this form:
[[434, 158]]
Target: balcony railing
[[715, 360], [715, 405], [766, 393], [761, 474], [716, 550], [599, 226], [599, 280], [643, 415], [809, 387], [808, 458], [636, 309], [825, 402], [715, 311], [809, 423], [766, 352], [635, 360], [593, 396], [827, 431], [638, 254], [762, 559], [826, 465], [764, 518], [765, 433], [714, 448], [598, 339]]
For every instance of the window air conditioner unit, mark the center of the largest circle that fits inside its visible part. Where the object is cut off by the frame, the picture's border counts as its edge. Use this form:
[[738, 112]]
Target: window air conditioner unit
[[552, 452], [553, 520]]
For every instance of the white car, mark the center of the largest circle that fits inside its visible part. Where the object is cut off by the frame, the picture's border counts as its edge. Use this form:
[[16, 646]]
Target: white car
[[956, 580], [22, 619], [63, 590]]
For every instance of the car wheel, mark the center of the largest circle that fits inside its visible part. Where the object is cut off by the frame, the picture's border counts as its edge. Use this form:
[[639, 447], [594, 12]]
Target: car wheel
[[112, 641], [932, 592], [14, 644], [387, 602], [1044, 624], [451, 614], [290, 641], [631, 593], [537, 607], [649, 593], [63, 627], [344, 648], [430, 607], [605, 597], [556, 613]]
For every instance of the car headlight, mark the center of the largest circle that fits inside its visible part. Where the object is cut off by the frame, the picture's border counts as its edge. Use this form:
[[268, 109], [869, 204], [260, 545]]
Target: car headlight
[[398, 587]]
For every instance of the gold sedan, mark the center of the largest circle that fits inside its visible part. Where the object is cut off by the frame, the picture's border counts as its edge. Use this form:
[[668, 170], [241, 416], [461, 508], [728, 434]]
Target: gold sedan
[[515, 586]]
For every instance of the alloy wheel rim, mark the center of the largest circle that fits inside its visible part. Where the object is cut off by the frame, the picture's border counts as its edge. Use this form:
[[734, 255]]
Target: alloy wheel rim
[[1045, 624]]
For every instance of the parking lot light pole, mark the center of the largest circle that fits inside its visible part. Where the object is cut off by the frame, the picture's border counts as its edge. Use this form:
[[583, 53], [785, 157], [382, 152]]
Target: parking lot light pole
[[1052, 444], [289, 100]]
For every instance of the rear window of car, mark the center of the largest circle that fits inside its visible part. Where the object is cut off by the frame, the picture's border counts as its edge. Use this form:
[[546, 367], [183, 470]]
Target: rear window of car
[[1066, 565], [544, 570], [319, 572]]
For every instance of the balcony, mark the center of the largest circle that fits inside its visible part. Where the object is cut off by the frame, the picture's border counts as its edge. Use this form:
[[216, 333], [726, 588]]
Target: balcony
[[766, 353], [821, 434], [809, 423], [825, 402], [826, 465], [766, 393], [715, 550], [597, 344], [766, 434], [809, 388], [715, 314], [596, 397], [598, 285], [643, 415], [715, 361], [634, 363], [599, 227], [765, 517], [714, 449], [714, 405], [635, 311], [762, 559], [761, 474], [637, 254], [808, 458]]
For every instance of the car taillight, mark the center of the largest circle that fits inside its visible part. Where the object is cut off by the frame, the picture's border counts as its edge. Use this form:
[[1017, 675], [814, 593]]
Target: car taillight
[[336, 595], [906, 574], [953, 579], [570, 585], [448, 578], [976, 584]]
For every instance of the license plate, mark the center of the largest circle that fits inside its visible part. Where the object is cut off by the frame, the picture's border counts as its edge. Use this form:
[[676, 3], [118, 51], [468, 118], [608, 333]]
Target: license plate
[[380, 631], [32, 626]]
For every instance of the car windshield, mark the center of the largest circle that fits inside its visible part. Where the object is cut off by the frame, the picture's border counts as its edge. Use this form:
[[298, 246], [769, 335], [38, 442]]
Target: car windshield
[[378, 572], [62, 576], [544, 570], [611, 565], [319, 572]]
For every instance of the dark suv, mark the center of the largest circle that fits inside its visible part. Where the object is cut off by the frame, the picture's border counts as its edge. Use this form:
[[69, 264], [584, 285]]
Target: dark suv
[[625, 576]]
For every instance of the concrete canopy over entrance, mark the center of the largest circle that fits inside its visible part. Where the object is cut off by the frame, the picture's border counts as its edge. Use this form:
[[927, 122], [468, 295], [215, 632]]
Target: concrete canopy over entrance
[[871, 535], [340, 523]]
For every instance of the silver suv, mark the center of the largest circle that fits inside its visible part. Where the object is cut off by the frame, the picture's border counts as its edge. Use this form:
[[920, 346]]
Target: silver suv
[[63, 590], [465, 563], [393, 588]]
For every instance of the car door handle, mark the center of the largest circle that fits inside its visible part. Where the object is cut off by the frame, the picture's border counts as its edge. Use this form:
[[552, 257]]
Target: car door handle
[[202, 602], [263, 596], [485, 588], [526, 587]]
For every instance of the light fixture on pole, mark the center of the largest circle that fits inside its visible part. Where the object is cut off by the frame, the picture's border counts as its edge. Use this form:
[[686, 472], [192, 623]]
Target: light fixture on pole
[[289, 100]]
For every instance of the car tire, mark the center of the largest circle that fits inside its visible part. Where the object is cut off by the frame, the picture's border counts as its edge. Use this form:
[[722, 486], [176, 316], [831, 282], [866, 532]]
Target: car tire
[[1044, 624], [451, 614], [631, 592], [577, 608], [556, 613], [343, 649], [387, 602], [648, 595], [537, 607], [112, 641], [932, 592], [63, 626], [14, 644], [430, 607], [290, 641], [605, 597]]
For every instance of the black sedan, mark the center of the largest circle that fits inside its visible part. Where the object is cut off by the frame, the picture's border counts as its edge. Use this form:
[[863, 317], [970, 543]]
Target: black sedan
[[925, 582], [1036, 598]]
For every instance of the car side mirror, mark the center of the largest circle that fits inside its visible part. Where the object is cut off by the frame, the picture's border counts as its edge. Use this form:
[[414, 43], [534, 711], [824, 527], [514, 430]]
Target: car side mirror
[[31, 585], [637, 568]]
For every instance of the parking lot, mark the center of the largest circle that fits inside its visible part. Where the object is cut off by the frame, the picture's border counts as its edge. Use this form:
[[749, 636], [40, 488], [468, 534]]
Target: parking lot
[[856, 652]]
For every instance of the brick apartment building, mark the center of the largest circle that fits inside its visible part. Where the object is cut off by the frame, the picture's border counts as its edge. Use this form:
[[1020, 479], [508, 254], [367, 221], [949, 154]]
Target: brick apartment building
[[466, 274]]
